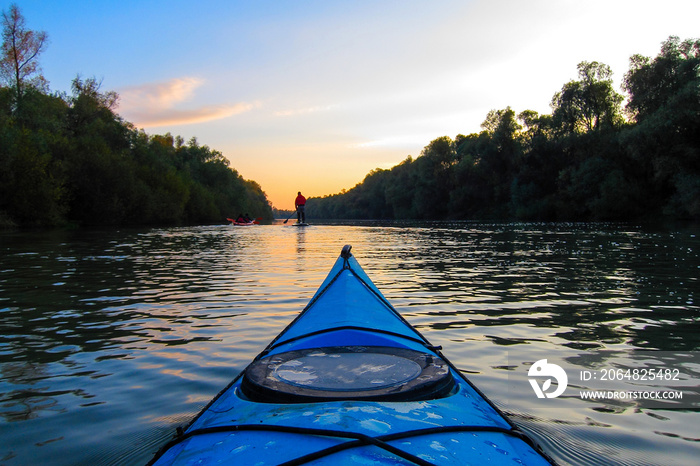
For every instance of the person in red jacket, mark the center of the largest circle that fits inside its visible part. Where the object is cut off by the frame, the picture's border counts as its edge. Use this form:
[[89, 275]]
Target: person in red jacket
[[300, 204]]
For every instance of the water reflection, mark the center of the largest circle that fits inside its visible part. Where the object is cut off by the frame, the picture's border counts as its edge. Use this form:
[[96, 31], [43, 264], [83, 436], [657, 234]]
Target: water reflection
[[599, 288], [24, 404], [131, 332]]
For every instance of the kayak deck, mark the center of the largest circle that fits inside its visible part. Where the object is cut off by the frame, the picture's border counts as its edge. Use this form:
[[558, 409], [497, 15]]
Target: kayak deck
[[332, 389]]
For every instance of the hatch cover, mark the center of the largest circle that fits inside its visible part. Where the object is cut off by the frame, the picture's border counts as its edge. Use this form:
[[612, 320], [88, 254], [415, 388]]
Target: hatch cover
[[347, 373]]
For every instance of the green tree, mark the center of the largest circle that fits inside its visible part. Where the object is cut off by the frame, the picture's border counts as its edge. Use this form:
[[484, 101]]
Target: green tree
[[501, 155], [672, 75], [433, 179], [588, 104], [534, 186], [21, 47], [472, 191], [31, 191], [32, 178], [665, 142], [399, 191], [101, 175]]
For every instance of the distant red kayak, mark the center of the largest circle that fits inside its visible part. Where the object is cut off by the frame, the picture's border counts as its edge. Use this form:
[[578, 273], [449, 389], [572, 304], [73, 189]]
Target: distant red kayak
[[244, 224]]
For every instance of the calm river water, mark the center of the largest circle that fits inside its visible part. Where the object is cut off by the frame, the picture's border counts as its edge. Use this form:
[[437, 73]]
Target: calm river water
[[111, 339]]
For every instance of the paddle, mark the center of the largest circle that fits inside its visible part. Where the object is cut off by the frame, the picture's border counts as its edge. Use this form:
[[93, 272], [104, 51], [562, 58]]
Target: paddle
[[290, 217]]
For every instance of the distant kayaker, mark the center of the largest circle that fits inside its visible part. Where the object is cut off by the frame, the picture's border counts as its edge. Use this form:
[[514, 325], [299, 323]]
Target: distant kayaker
[[300, 205]]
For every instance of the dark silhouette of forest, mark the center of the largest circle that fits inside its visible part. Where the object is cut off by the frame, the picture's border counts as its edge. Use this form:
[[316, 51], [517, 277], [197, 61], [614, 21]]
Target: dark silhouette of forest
[[72, 160], [598, 156]]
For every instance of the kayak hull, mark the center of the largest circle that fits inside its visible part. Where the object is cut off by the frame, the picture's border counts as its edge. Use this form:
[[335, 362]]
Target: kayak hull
[[364, 412], [243, 224]]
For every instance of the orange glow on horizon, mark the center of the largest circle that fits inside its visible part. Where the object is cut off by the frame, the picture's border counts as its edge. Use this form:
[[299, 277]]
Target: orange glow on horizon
[[315, 170]]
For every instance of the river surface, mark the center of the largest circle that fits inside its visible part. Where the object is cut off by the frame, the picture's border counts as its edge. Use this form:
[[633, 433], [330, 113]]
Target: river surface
[[112, 339]]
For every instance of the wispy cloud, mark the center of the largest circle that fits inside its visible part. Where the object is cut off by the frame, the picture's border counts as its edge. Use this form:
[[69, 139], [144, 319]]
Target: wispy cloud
[[157, 104]]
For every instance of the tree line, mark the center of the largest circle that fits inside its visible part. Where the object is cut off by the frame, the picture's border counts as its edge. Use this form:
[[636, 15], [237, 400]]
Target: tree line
[[71, 159], [599, 155]]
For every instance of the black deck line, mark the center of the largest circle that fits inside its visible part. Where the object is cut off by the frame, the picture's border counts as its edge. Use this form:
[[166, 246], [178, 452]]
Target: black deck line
[[347, 327], [358, 440]]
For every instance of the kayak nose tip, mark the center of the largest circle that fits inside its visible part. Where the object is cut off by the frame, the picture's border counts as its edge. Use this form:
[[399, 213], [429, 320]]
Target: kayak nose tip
[[345, 253]]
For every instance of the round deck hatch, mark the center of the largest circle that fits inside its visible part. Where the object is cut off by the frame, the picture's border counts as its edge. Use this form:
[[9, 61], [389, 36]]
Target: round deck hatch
[[347, 373]]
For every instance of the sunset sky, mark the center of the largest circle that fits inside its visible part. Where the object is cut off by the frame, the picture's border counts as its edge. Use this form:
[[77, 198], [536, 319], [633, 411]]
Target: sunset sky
[[311, 95]]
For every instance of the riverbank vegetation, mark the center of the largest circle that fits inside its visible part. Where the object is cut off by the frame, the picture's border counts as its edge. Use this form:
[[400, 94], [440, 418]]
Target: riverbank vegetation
[[599, 155], [71, 159]]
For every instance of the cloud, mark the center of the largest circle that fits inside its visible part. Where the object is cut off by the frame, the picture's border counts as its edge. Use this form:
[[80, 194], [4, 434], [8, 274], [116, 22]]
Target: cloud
[[188, 117], [156, 104]]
